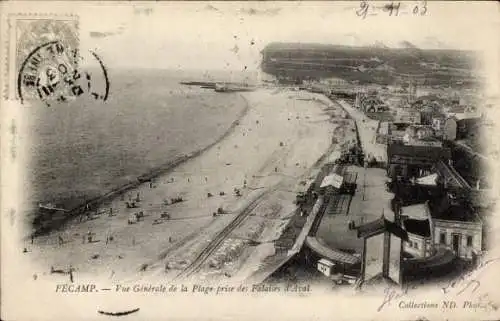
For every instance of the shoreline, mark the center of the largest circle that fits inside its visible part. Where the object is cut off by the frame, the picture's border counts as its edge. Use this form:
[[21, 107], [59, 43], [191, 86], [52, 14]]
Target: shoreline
[[265, 268], [141, 179], [267, 155]]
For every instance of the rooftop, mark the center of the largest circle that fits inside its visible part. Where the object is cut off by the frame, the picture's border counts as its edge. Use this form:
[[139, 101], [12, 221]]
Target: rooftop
[[417, 227], [416, 211], [330, 253], [449, 209], [432, 152], [332, 180], [379, 226]]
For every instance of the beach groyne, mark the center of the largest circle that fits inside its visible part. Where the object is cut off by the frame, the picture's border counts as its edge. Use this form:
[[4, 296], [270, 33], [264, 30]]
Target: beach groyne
[[43, 226]]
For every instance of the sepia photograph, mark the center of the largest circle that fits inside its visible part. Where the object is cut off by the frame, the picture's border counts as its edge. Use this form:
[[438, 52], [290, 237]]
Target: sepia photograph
[[249, 160]]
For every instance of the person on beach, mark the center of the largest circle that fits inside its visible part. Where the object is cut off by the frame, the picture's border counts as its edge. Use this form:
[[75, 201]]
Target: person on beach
[[109, 238], [110, 211], [32, 238], [60, 240], [70, 271]]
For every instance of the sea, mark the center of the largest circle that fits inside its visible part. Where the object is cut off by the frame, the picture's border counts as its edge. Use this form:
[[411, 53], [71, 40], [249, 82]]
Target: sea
[[83, 148]]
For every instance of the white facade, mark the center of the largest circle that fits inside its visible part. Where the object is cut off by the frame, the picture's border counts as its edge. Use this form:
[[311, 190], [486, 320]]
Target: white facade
[[325, 266], [463, 238], [437, 123], [450, 129], [418, 246]]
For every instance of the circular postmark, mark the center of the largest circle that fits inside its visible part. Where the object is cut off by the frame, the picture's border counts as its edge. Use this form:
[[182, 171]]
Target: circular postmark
[[52, 72]]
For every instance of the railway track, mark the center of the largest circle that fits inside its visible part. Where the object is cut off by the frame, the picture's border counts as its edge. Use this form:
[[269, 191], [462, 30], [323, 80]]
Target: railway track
[[221, 236], [203, 256]]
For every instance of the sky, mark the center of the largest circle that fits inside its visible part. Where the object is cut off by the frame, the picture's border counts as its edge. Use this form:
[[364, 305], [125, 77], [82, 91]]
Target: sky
[[218, 35]]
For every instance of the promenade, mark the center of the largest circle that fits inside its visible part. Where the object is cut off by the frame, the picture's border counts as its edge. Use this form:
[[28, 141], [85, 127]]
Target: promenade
[[367, 129]]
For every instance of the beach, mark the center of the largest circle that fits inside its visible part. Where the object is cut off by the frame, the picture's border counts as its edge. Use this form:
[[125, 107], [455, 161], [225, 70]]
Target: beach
[[265, 156], [82, 150]]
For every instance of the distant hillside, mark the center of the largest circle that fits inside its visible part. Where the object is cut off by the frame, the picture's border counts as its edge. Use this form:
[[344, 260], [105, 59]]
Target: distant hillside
[[437, 66]]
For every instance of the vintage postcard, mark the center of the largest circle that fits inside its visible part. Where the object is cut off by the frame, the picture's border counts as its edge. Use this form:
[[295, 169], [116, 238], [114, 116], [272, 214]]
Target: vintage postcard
[[250, 160]]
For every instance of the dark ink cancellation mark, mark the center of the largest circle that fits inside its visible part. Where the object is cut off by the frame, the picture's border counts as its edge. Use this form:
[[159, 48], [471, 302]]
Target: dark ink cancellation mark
[[51, 72]]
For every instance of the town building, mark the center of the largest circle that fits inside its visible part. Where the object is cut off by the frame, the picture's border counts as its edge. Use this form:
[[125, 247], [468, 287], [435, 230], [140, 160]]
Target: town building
[[408, 161], [419, 242], [407, 117], [383, 133], [437, 123], [420, 135], [450, 129], [456, 227], [369, 102], [444, 222], [460, 127], [416, 221], [414, 134], [325, 266], [431, 114]]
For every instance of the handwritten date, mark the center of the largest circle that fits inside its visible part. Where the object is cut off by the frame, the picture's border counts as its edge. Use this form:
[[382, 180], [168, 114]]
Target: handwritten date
[[391, 9]]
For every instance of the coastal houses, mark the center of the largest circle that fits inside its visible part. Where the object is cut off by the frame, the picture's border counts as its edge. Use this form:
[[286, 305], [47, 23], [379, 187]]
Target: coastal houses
[[408, 161], [456, 226], [419, 238], [444, 222], [407, 117], [460, 127]]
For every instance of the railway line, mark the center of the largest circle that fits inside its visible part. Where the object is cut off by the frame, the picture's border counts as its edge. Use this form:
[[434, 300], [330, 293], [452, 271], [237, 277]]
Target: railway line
[[203, 256], [214, 245]]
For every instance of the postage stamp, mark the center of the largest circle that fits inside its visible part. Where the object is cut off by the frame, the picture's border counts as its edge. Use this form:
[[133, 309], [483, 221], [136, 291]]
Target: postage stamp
[[44, 60], [27, 34]]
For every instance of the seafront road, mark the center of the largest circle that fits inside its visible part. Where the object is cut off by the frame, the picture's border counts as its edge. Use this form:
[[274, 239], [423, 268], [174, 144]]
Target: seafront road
[[367, 129]]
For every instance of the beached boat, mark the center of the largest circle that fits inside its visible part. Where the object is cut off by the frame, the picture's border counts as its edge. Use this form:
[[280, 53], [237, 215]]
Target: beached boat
[[50, 207]]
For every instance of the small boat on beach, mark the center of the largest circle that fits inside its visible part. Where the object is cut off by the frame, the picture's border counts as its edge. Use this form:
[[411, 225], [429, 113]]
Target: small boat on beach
[[50, 207]]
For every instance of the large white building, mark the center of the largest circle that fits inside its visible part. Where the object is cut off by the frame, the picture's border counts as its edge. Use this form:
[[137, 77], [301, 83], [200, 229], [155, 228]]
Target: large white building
[[457, 228], [442, 223]]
